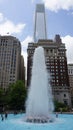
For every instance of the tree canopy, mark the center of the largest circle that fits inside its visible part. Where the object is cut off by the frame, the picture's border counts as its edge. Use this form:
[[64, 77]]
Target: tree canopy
[[14, 97]]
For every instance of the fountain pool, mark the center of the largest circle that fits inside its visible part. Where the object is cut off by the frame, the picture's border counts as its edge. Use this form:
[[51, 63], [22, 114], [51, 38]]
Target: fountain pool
[[16, 122]]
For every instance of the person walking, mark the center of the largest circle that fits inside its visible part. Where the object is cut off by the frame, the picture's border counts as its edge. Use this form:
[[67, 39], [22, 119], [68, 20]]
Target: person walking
[[6, 115], [2, 117]]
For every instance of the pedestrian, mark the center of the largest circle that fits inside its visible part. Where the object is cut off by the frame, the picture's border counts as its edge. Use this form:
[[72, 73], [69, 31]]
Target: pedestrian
[[2, 117], [56, 115], [6, 115]]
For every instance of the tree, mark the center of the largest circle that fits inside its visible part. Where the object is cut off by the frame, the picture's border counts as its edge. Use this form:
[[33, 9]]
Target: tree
[[17, 95], [59, 106], [1, 97]]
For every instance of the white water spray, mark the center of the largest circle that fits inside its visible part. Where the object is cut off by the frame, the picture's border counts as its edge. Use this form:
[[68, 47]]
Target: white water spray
[[39, 104]]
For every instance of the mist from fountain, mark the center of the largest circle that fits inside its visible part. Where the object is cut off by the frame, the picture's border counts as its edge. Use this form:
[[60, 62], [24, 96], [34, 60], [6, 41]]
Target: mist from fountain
[[39, 105]]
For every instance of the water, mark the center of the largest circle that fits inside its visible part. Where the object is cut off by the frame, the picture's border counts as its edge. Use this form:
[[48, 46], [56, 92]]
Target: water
[[63, 122], [39, 102], [38, 89]]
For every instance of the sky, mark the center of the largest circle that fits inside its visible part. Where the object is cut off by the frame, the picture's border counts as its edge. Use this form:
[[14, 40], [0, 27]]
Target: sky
[[17, 18]]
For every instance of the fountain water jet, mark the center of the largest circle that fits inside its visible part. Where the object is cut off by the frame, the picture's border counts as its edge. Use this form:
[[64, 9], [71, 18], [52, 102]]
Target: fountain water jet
[[39, 105]]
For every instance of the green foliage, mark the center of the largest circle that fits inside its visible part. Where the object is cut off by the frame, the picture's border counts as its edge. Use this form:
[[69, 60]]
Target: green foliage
[[1, 96], [14, 97], [17, 96], [60, 106]]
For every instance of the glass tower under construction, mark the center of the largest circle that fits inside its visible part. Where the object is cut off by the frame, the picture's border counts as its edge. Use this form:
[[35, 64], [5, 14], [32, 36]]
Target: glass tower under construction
[[40, 23]]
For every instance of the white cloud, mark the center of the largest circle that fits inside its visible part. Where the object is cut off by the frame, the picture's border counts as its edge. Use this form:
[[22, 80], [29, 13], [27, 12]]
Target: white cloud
[[72, 13], [68, 40], [1, 17], [32, 1], [8, 26], [1, 1], [55, 5], [24, 45]]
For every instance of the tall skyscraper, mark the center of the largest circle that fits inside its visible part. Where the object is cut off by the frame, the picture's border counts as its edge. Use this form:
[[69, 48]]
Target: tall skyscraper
[[40, 23], [22, 69], [10, 60]]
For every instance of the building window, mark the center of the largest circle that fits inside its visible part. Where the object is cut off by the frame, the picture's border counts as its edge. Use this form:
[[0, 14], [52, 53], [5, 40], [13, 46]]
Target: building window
[[47, 50], [65, 102], [51, 50], [64, 95]]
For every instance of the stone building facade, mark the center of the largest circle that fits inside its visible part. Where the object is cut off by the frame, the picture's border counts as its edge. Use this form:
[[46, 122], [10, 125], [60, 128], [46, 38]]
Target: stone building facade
[[70, 73], [56, 64], [10, 60]]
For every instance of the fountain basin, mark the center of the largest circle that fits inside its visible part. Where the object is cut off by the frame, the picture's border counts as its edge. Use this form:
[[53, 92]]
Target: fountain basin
[[37, 120], [16, 122]]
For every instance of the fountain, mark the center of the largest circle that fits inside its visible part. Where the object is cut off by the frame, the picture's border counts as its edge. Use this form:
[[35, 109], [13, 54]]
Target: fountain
[[39, 105]]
